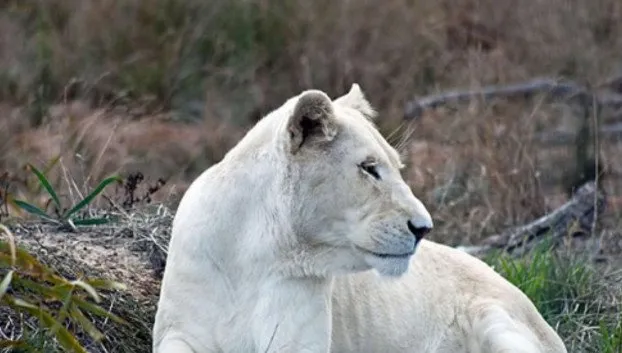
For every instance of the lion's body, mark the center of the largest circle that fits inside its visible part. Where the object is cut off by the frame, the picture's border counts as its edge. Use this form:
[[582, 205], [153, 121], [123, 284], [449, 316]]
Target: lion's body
[[448, 302], [272, 250]]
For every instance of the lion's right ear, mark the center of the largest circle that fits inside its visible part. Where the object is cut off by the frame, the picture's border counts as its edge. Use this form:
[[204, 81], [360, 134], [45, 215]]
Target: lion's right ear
[[355, 99], [313, 120]]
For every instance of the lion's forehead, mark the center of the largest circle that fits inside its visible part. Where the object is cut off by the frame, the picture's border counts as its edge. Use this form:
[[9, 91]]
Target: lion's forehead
[[363, 134]]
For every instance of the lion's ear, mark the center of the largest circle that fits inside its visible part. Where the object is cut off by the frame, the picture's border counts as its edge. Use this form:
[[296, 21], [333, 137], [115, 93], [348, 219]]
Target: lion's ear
[[355, 99], [313, 120]]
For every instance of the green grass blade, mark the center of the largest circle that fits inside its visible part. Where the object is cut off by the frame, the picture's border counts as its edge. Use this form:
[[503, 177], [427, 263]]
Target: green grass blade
[[91, 196], [97, 310], [63, 312], [46, 184], [41, 291], [11, 243], [64, 337], [88, 288], [90, 221], [32, 209], [28, 264], [14, 344], [87, 325], [4, 285], [100, 283]]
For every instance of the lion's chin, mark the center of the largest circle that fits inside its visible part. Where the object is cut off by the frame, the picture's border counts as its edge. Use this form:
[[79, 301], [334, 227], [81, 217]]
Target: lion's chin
[[394, 266], [388, 264]]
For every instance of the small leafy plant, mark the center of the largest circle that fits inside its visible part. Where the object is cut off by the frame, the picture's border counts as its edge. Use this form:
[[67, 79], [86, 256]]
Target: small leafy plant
[[30, 185], [66, 216], [30, 287]]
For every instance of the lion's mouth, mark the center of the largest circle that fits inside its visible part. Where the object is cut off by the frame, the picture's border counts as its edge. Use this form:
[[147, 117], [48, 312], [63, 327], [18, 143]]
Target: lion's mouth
[[387, 255]]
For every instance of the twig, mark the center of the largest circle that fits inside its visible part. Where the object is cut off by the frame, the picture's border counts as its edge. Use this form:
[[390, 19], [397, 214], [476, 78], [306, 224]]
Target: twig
[[611, 131], [597, 151], [555, 90], [612, 83]]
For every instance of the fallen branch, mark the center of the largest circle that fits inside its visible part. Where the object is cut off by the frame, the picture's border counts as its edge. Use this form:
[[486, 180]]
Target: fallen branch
[[611, 132], [612, 83], [556, 90], [575, 217]]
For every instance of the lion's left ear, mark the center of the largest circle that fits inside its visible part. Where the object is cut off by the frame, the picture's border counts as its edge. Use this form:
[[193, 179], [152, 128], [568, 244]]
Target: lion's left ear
[[355, 99], [313, 120]]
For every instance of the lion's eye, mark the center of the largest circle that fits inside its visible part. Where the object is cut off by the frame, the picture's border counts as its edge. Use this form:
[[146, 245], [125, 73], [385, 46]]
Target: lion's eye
[[370, 168]]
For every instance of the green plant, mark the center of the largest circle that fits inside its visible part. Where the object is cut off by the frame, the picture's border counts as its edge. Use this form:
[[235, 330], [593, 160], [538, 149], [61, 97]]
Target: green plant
[[65, 216], [30, 186], [568, 291], [611, 341], [547, 280], [32, 288]]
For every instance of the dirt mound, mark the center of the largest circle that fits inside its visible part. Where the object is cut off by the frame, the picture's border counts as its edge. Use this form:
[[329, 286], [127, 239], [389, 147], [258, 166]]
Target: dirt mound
[[131, 252]]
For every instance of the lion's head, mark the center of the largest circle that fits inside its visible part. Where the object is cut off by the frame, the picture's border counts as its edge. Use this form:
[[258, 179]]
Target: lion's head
[[346, 188]]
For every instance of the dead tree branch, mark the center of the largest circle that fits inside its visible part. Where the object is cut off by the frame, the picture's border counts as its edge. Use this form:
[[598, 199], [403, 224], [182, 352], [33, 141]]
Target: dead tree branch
[[554, 89], [574, 218], [611, 132]]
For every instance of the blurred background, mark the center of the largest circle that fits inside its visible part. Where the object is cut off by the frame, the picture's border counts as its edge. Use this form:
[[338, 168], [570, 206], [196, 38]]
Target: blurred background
[[163, 88]]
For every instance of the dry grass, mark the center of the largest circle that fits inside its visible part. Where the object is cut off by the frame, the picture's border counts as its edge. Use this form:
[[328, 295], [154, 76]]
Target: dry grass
[[255, 53], [126, 252], [221, 65]]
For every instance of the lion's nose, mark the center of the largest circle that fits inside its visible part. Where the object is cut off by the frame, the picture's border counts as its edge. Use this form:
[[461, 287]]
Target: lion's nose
[[419, 229]]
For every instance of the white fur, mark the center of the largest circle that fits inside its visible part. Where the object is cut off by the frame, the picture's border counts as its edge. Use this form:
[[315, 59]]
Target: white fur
[[273, 251]]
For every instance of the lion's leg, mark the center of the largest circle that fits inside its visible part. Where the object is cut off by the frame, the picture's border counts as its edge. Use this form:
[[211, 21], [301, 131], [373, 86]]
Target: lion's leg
[[173, 345], [496, 332]]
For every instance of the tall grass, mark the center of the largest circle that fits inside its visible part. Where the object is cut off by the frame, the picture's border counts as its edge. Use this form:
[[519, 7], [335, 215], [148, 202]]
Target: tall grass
[[254, 53], [573, 295]]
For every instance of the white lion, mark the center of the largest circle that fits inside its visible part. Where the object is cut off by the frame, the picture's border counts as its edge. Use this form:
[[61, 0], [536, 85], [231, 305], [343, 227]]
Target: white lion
[[272, 247]]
